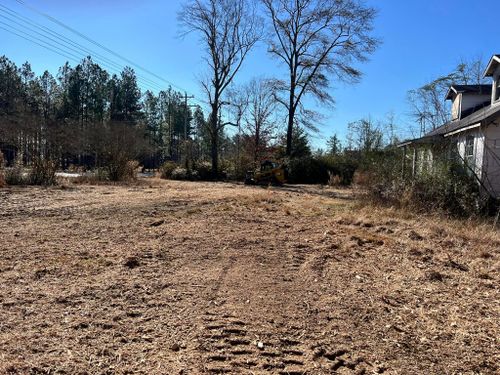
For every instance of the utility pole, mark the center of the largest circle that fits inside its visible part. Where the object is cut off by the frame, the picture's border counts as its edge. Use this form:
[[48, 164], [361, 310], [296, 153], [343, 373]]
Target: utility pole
[[170, 130], [186, 97], [186, 141]]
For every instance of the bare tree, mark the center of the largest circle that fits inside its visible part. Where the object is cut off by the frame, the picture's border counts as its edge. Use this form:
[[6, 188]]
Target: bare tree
[[258, 122], [238, 101], [364, 135], [228, 30], [428, 105], [317, 39], [470, 71]]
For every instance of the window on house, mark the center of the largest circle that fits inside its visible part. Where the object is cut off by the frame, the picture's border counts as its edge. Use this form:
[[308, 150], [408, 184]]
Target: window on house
[[469, 151]]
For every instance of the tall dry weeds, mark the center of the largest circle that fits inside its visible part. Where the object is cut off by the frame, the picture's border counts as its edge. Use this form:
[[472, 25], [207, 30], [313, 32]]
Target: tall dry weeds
[[43, 172], [2, 176]]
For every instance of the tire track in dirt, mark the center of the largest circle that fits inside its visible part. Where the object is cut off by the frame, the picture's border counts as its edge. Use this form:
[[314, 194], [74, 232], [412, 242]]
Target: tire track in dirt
[[237, 343], [232, 345], [312, 263], [222, 276]]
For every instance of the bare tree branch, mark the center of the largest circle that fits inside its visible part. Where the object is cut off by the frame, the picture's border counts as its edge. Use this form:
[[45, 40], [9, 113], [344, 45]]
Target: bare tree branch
[[317, 39], [228, 31]]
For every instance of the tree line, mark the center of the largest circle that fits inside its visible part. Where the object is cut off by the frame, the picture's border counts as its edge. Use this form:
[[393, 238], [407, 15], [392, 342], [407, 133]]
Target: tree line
[[86, 116]]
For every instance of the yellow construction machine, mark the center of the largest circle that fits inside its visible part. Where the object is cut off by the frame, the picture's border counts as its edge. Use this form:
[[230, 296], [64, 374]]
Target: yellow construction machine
[[269, 173]]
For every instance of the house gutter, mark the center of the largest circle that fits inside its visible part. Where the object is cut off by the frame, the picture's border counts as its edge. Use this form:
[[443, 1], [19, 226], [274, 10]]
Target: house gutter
[[404, 144], [463, 129]]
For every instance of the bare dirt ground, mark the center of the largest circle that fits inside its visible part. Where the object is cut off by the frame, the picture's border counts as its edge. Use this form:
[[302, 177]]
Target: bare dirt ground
[[196, 278]]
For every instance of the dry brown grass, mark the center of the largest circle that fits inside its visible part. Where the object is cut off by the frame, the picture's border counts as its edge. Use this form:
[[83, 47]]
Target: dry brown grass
[[2, 175], [166, 277]]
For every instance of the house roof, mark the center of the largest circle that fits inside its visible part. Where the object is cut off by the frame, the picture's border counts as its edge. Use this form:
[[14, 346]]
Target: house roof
[[468, 89], [492, 66], [487, 113], [423, 140], [472, 89], [479, 116]]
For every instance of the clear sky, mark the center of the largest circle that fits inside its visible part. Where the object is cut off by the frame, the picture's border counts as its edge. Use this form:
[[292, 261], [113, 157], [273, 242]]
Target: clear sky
[[421, 40]]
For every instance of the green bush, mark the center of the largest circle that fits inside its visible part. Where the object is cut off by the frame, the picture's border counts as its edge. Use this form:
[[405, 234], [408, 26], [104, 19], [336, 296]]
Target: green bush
[[131, 169], [447, 187], [41, 172], [167, 169], [321, 169], [307, 170], [334, 180], [203, 170], [344, 166], [172, 171], [180, 173], [241, 166], [15, 175]]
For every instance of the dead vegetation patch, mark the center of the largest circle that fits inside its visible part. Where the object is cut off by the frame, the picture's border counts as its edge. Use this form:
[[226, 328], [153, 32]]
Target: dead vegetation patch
[[179, 277]]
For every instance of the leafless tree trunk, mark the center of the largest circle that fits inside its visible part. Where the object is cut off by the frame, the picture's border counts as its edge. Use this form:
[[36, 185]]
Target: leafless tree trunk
[[317, 39], [258, 121], [228, 30]]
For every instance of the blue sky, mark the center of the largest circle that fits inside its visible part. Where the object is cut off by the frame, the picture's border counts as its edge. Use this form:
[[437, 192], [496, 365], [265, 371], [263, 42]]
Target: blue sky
[[421, 40]]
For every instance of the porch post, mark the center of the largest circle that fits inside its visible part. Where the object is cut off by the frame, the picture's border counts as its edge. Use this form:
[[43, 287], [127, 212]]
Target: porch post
[[403, 167], [414, 162]]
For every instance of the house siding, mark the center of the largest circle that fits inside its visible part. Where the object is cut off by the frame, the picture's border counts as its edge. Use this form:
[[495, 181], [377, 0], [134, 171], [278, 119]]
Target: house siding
[[479, 138], [424, 160], [455, 107], [496, 77], [471, 101], [491, 161]]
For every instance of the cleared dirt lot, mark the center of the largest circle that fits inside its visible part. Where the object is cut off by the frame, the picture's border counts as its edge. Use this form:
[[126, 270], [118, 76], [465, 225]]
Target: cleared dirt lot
[[192, 278]]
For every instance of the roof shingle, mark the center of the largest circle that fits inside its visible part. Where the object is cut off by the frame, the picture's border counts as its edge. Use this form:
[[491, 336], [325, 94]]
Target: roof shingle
[[472, 89], [487, 113]]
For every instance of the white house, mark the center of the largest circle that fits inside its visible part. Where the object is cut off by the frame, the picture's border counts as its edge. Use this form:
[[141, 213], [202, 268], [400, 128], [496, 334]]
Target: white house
[[473, 131]]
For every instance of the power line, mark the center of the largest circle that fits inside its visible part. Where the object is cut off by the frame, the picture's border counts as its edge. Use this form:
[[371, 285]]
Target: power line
[[38, 39], [80, 49], [46, 30], [32, 41], [55, 49], [81, 35], [45, 45], [24, 32]]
